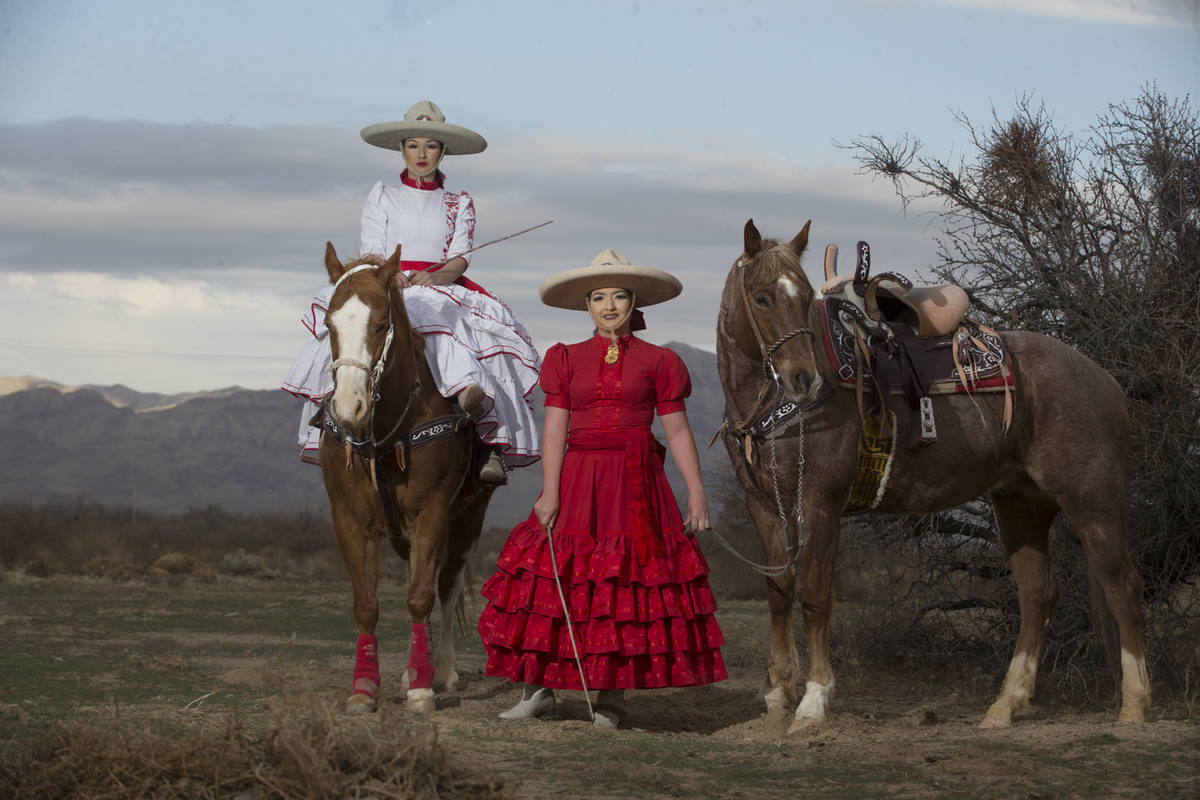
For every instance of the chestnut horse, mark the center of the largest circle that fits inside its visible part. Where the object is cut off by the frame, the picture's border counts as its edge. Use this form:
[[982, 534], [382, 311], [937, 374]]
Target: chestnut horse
[[1067, 449], [382, 390]]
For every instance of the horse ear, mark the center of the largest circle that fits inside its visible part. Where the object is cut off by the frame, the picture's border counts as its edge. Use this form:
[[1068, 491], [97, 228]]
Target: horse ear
[[801, 241], [752, 238], [333, 264], [387, 271]]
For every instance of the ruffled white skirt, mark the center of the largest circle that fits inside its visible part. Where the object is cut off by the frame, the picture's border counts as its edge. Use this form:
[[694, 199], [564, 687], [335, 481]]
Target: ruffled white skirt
[[469, 338]]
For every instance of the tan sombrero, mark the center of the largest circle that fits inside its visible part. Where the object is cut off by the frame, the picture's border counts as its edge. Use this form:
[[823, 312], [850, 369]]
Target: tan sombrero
[[609, 269], [426, 120]]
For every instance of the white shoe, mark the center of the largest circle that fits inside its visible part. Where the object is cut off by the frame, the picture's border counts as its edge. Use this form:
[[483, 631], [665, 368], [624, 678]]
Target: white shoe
[[470, 400], [493, 471], [537, 704]]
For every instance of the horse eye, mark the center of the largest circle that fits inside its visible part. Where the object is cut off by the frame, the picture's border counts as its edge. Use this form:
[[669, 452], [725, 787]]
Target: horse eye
[[382, 328], [762, 301]]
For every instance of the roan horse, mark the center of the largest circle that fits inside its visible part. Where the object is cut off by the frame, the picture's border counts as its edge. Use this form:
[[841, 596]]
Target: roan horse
[[384, 481], [1067, 449]]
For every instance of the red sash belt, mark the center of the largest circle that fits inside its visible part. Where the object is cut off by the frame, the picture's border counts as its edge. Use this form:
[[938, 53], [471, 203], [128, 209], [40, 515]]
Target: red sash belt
[[639, 446], [461, 280]]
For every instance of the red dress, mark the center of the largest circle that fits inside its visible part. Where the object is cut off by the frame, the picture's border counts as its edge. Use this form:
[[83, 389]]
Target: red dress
[[636, 582]]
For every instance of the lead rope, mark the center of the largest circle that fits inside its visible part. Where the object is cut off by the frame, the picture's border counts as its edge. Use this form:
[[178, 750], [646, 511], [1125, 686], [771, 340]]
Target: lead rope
[[570, 628]]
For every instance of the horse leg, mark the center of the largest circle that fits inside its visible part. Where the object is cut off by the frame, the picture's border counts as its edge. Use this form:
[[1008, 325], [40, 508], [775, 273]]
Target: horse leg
[[1024, 515], [1103, 537], [360, 552], [450, 588], [816, 604], [427, 546], [783, 663]]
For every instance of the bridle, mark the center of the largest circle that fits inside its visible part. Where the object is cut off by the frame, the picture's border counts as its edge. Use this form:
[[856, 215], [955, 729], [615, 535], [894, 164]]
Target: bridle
[[374, 375], [769, 373]]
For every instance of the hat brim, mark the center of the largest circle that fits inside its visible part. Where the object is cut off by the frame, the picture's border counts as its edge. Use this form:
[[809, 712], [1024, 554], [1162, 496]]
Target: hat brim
[[569, 289], [459, 141]]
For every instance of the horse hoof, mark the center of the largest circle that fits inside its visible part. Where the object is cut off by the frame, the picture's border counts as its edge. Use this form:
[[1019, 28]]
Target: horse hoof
[[360, 704], [449, 684], [1133, 715], [801, 724], [995, 724], [420, 701]]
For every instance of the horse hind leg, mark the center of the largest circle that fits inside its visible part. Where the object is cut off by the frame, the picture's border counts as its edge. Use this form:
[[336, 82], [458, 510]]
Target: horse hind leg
[[1025, 514], [1102, 531], [450, 589]]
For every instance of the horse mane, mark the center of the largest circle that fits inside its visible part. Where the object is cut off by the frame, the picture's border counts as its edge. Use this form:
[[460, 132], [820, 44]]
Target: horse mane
[[775, 260]]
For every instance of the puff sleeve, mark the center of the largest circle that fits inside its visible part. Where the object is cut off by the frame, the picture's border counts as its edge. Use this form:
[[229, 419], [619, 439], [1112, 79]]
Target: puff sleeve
[[671, 383], [462, 206], [555, 378], [373, 233]]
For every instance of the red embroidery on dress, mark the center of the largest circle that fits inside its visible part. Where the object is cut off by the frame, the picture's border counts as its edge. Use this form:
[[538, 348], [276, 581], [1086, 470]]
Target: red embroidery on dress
[[453, 205]]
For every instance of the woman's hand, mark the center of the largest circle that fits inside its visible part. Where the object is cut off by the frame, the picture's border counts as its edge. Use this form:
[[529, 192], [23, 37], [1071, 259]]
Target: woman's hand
[[418, 278], [697, 512], [546, 510]]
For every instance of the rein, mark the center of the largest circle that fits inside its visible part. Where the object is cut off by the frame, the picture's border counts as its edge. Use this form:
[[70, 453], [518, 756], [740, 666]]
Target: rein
[[770, 377]]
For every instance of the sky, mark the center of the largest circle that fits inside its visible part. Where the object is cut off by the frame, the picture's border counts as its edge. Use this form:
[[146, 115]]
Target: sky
[[170, 172]]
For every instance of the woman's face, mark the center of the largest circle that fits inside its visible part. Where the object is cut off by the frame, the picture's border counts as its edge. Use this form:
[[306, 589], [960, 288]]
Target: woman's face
[[610, 308], [422, 156]]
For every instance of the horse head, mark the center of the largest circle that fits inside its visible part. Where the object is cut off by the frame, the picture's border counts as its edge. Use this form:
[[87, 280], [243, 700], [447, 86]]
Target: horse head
[[362, 324], [773, 314]]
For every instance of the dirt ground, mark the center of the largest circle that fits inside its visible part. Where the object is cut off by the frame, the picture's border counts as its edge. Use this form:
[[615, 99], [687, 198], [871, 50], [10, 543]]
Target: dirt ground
[[179, 655]]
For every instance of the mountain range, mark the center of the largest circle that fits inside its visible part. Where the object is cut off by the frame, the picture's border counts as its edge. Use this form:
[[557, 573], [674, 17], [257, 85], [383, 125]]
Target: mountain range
[[232, 448]]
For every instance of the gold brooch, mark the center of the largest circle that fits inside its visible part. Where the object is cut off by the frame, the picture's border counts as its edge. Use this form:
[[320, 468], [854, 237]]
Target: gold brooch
[[613, 353]]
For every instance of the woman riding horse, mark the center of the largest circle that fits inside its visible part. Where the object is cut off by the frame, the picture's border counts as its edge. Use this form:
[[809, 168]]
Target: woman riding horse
[[477, 351]]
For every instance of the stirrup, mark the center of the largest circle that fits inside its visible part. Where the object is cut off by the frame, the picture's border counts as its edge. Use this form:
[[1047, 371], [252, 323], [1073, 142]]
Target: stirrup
[[540, 704]]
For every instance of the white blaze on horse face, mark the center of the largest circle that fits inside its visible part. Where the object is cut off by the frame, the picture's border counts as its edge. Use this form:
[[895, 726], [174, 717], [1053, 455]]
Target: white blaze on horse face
[[350, 401], [789, 287]]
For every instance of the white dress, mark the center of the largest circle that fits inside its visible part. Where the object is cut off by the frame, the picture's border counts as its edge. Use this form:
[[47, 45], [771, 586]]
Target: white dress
[[470, 335]]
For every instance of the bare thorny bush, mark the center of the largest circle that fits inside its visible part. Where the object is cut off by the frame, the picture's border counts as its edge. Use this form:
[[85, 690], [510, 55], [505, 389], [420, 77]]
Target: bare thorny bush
[[1095, 241]]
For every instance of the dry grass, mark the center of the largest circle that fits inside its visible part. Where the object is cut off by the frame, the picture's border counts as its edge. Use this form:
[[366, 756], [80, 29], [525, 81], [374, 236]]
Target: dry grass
[[305, 752]]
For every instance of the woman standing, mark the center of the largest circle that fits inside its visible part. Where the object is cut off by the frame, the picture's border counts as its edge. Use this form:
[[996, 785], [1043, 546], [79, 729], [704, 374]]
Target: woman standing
[[633, 577], [477, 351]]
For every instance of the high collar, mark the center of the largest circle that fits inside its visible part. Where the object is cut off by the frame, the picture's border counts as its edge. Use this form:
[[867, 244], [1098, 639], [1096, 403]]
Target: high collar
[[426, 186], [603, 340]]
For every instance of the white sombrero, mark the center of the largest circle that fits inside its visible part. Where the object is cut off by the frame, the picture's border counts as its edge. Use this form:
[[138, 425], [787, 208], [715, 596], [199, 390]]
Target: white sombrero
[[426, 120], [609, 269]]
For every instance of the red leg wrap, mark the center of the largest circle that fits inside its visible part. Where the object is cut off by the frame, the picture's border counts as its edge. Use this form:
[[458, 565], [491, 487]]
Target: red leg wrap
[[366, 660], [420, 668]]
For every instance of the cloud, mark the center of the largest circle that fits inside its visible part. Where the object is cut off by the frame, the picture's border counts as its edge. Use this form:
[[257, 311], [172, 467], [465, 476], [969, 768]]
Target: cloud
[[1148, 13], [175, 258]]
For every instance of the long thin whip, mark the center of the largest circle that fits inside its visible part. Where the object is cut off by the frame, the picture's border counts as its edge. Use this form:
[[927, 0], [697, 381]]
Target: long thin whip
[[570, 628], [493, 241]]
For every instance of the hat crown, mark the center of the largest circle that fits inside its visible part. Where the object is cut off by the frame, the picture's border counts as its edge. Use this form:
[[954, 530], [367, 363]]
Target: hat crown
[[610, 258], [424, 111]]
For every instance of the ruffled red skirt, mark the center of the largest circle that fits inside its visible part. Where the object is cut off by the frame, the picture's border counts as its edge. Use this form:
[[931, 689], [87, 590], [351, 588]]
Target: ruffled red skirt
[[642, 616]]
